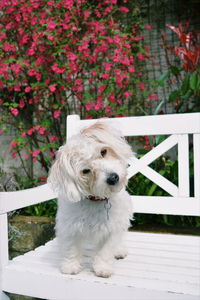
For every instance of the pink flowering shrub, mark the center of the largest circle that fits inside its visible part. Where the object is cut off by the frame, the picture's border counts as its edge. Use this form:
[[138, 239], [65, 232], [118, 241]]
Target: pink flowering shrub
[[59, 57]]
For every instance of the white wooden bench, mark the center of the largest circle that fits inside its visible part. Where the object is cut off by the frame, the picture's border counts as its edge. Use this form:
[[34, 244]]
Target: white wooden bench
[[159, 266]]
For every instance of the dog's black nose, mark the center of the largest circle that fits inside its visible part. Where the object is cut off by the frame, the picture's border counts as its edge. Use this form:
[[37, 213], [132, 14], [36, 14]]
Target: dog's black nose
[[112, 179]]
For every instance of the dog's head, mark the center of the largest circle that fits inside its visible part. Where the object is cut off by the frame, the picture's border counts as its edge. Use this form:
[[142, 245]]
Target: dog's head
[[93, 162]]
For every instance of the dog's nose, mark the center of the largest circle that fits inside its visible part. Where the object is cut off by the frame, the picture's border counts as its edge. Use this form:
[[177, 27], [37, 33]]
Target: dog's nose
[[112, 178]]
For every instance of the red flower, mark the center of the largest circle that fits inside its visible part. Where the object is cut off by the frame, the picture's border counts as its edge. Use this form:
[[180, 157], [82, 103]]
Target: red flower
[[153, 97], [52, 87], [14, 111], [35, 153], [13, 144], [141, 56], [27, 89], [127, 94], [148, 27], [141, 86], [124, 9], [57, 113]]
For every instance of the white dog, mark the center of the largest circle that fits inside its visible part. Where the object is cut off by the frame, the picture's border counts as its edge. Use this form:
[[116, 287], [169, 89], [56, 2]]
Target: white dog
[[89, 175]]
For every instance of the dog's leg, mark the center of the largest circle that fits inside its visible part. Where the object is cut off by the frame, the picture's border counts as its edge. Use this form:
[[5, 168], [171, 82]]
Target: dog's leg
[[71, 253], [104, 259], [120, 251]]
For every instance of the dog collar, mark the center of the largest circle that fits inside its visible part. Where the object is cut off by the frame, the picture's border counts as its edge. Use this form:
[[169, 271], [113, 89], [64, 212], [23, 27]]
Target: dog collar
[[96, 199]]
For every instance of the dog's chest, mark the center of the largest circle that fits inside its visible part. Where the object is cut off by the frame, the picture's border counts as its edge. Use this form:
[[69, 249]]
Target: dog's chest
[[89, 217]]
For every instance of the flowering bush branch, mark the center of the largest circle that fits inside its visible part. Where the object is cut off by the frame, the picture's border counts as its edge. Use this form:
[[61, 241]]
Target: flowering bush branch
[[59, 57]]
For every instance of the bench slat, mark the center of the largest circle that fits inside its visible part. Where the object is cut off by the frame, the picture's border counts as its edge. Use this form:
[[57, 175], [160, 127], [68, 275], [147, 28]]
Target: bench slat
[[151, 125]]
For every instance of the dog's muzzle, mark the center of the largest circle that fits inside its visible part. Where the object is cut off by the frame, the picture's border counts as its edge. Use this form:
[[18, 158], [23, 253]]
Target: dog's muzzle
[[112, 179]]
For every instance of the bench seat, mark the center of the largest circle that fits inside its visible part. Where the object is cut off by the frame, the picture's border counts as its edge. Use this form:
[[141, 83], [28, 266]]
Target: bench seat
[[158, 266]]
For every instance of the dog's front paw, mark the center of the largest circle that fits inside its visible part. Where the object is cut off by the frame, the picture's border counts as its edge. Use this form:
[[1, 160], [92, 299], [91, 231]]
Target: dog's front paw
[[70, 267], [120, 253], [103, 269]]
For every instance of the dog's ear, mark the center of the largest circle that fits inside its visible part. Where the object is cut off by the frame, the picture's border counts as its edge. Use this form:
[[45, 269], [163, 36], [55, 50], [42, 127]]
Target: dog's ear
[[62, 177]]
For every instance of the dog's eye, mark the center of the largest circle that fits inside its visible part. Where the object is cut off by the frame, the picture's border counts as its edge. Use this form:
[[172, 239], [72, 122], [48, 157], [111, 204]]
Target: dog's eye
[[103, 152], [86, 171]]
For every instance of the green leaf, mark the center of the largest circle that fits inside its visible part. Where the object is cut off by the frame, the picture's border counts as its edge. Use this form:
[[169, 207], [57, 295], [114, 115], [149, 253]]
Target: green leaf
[[164, 76], [185, 84], [174, 95], [194, 81], [175, 70], [188, 95], [159, 139], [152, 189], [15, 105], [6, 104], [158, 108]]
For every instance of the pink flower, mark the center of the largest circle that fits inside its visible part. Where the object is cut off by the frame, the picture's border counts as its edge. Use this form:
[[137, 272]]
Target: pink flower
[[101, 88], [86, 14], [30, 131], [78, 81], [98, 106], [27, 89], [107, 66], [35, 153], [16, 68], [148, 27], [141, 86], [26, 156], [14, 111], [136, 38], [52, 87], [1, 131], [52, 138], [131, 69], [141, 56], [58, 70], [124, 9], [13, 144], [24, 134], [108, 109], [41, 130], [127, 94], [50, 3], [17, 88], [112, 98], [94, 73], [89, 106], [52, 25], [21, 103], [56, 113], [105, 76], [71, 56], [153, 97], [14, 154]]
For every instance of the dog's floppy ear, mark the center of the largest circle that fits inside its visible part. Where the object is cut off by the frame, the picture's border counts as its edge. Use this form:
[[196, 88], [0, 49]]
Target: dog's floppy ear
[[62, 178]]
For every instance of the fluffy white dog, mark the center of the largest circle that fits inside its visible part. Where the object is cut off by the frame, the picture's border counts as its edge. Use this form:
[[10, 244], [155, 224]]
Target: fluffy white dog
[[89, 175]]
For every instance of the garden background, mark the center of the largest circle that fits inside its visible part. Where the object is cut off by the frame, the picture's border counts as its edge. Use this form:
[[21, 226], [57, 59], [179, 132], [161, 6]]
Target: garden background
[[94, 58]]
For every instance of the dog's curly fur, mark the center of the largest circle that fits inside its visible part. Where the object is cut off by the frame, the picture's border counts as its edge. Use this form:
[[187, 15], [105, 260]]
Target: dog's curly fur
[[92, 165]]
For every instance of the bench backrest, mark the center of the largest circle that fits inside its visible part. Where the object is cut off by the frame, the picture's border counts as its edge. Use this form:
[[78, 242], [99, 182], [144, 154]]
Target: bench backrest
[[177, 127]]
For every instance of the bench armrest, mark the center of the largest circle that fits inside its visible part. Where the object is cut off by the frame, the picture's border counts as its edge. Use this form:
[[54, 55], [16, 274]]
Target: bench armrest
[[10, 201]]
